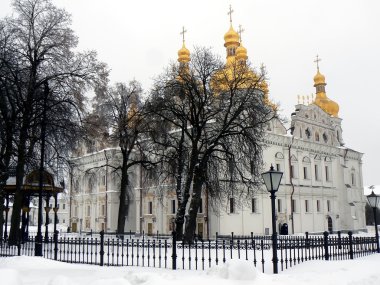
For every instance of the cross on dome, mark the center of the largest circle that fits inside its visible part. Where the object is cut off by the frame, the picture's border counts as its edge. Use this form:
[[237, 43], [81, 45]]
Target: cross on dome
[[183, 34], [230, 13], [240, 31], [317, 60]]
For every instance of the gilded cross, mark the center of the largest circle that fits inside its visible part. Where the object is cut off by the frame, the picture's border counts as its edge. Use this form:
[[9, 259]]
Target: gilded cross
[[240, 31], [183, 33], [230, 13], [317, 60]]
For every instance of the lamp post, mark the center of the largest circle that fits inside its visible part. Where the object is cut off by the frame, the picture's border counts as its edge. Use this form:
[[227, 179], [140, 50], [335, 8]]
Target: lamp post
[[38, 243], [272, 181], [374, 201]]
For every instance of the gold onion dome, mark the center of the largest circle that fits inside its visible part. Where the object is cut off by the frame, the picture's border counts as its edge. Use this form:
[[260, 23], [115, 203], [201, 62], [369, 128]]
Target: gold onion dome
[[321, 100], [231, 37], [319, 78], [183, 54], [241, 53]]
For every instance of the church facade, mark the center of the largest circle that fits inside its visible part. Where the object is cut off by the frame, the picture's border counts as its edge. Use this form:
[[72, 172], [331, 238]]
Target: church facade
[[321, 189]]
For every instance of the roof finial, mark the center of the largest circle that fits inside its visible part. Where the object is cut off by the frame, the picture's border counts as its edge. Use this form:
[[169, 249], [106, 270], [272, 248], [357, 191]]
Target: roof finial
[[240, 31], [183, 34], [230, 13], [317, 60]]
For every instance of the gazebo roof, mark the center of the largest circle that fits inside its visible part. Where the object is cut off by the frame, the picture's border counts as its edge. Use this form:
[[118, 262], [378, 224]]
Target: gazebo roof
[[32, 182]]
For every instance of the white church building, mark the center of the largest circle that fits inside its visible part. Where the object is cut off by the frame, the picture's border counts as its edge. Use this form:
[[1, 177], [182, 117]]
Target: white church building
[[321, 189]]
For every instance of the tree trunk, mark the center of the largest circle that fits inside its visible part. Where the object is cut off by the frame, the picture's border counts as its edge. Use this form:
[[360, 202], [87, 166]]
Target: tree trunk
[[124, 195], [14, 232], [194, 205], [181, 211]]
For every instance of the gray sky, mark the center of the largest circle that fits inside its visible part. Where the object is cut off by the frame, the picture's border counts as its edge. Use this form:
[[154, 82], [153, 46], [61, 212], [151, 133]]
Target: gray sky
[[137, 39]]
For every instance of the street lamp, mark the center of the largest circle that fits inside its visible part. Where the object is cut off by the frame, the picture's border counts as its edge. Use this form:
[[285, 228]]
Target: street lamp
[[272, 181], [374, 201]]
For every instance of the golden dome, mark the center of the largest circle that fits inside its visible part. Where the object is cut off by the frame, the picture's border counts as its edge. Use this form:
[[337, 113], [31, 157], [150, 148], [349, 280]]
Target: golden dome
[[231, 37], [241, 53], [183, 54], [319, 78], [321, 100]]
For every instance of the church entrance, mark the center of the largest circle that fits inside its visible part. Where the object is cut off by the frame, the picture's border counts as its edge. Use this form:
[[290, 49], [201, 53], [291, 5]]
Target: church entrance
[[200, 230], [74, 227], [150, 229], [329, 224]]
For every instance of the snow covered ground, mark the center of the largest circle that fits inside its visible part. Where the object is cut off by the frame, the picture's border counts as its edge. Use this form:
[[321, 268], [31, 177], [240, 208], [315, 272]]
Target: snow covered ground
[[35, 270]]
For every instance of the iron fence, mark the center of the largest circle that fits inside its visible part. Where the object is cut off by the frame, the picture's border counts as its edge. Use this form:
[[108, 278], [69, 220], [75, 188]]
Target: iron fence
[[153, 251]]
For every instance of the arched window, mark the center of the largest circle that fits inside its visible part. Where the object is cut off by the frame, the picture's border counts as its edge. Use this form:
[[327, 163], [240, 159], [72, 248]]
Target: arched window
[[306, 167], [353, 177], [279, 161], [317, 137], [325, 138], [293, 167], [306, 159], [307, 133], [279, 155]]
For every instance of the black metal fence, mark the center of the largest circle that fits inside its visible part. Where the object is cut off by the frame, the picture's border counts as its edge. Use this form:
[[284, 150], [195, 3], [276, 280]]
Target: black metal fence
[[107, 250]]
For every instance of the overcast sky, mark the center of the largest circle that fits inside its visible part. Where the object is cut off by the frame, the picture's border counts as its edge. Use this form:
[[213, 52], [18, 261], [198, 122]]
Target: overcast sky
[[137, 39]]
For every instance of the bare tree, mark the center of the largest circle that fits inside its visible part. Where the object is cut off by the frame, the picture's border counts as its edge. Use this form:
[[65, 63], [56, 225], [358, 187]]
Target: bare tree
[[42, 43], [120, 110], [216, 117]]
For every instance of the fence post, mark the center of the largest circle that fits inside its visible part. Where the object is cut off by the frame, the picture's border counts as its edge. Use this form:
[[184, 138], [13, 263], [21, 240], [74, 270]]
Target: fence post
[[19, 248], [101, 253], [351, 252], [55, 245], [339, 240], [174, 251], [326, 244], [307, 239]]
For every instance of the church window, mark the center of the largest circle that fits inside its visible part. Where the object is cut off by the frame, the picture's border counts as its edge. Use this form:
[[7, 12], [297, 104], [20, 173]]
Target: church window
[[294, 206], [307, 133], [200, 210], [327, 172], [103, 210], [88, 210], [316, 172], [232, 205], [173, 206], [307, 209], [279, 155], [318, 206], [254, 205], [104, 180], [279, 205], [353, 179], [325, 138], [150, 207], [328, 206], [305, 173], [278, 168], [293, 171], [317, 137], [63, 221], [76, 211], [63, 206]]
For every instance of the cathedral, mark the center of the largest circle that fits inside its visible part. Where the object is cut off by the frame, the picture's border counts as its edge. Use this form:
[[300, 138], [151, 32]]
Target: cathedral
[[321, 189]]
